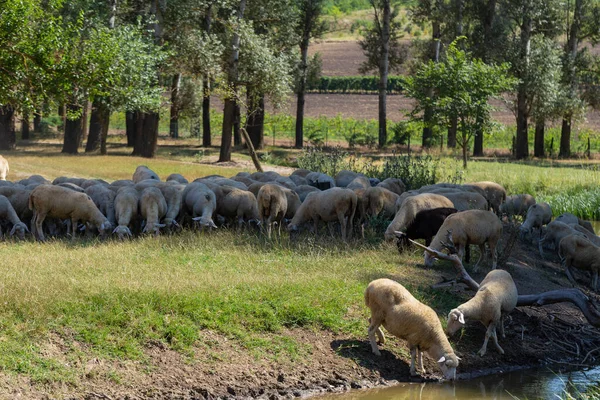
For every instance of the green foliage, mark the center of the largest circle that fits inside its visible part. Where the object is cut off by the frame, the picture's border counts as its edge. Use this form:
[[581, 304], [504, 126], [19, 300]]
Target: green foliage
[[583, 203], [355, 84], [336, 7]]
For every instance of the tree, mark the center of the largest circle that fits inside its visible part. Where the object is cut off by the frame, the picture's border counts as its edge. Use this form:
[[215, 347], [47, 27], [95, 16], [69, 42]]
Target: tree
[[463, 87], [308, 27], [383, 52]]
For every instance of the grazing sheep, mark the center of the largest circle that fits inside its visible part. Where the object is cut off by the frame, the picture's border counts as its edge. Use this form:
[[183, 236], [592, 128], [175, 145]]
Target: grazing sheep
[[153, 207], [58, 202], [237, 204], [426, 225], [19, 199], [319, 180], [379, 200], [91, 182], [71, 186], [579, 252], [226, 182], [173, 194], [394, 308], [555, 231], [245, 180], [493, 192], [293, 202], [496, 298], [3, 168], [200, 202], [64, 179], [177, 178], [304, 190], [7, 212], [118, 184], [104, 199], [517, 204], [126, 210], [538, 215], [469, 227], [33, 180], [285, 182], [571, 219], [393, 185], [272, 206], [330, 205], [409, 209], [360, 182], [142, 173], [301, 172], [345, 177], [587, 225], [298, 180], [467, 201], [591, 237]]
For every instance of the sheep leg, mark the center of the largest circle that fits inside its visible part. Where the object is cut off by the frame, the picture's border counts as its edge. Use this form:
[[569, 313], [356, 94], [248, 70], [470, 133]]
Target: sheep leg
[[39, 220], [495, 337], [489, 332], [567, 264], [502, 326], [413, 356], [73, 228], [344, 224], [420, 361], [595, 280], [374, 329], [481, 256]]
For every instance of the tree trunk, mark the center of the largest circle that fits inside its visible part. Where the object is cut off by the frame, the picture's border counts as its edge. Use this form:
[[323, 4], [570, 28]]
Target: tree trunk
[[104, 118], [255, 119], [206, 134], [237, 120], [538, 146], [146, 134], [570, 78], [522, 143], [565, 137], [84, 123], [130, 127], [8, 136], [488, 24], [93, 141], [37, 121], [452, 133], [174, 121], [383, 72], [428, 112], [73, 129], [301, 90], [25, 126], [478, 141], [63, 114], [229, 106]]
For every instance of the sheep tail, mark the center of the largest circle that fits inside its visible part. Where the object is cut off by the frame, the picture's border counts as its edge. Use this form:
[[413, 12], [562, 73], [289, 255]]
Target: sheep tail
[[30, 202]]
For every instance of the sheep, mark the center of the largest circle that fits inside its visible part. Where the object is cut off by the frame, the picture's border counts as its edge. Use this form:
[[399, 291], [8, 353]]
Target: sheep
[[33, 179], [379, 200], [238, 204], [64, 179], [3, 168], [173, 194], [298, 180], [142, 173], [409, 209], [579, 252], [395, 308], [200, 202], [320, 180], [334, 204], [469, 227], [467, 201], [118, 184], [153, 207], [272, 206], [360, 182], [493, 192], [304, 190], [19, 199], [301, 172], [104, 199], [293, 202], [126, 210], [91, 182], [285, 181], [245, 180], [393, 185], [71, 186], [591, 237], [7, 212], [177, 178], [425, 225], [571, 219], [345, 177], [496, 298], [538, 215], [58, 202], [517, 204], [555, 231]]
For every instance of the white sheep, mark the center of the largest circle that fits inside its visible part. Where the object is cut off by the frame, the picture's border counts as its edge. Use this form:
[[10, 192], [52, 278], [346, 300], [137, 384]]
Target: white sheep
[[177, 178], [58, 202], [469, 227], [330, 205], [493, 192], [467, 200], [409, 209], [237, 204], [173, 194], [496, 298], [380, 201], [394, 308], [304, 190], [577, 251], [7, 212], [517, 204], [19, 199], [200, 202], [393, 185], [142, 173], [320, 180], [104, 198], [538, 215], [344, 177], [298, 180], [3, 168], [126, 210], [153, 207], [360, 182], [272, 206], [33, 180]]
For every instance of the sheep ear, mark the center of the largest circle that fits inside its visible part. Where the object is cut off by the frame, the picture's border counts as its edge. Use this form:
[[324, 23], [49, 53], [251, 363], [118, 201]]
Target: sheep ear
[[115, 230], [212, 224], [441, 360], [129, 231], [160, 225], [461, 318], [13, 230], [26, 228], [197, 218]]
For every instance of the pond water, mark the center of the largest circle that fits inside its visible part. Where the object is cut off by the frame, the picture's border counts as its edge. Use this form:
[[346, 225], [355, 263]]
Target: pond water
[[596, 225], [525, 384]]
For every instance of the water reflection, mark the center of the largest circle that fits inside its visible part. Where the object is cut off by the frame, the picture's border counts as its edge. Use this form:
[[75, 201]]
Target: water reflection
[[526, 384]]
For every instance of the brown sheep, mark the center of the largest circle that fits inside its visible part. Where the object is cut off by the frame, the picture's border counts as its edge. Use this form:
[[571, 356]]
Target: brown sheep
[[494, 193], [153, 208], [272, 206], [577, 251]]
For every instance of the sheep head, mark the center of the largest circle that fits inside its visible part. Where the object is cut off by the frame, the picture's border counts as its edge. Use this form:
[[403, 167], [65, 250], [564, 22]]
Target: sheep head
[[19, 228], [448, 364], [205, 221], [122, 231], [456, 320], [105, 227]]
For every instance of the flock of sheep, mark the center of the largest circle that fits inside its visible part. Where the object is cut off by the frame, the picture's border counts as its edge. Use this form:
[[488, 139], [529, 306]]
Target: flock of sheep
[[471, 212]]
